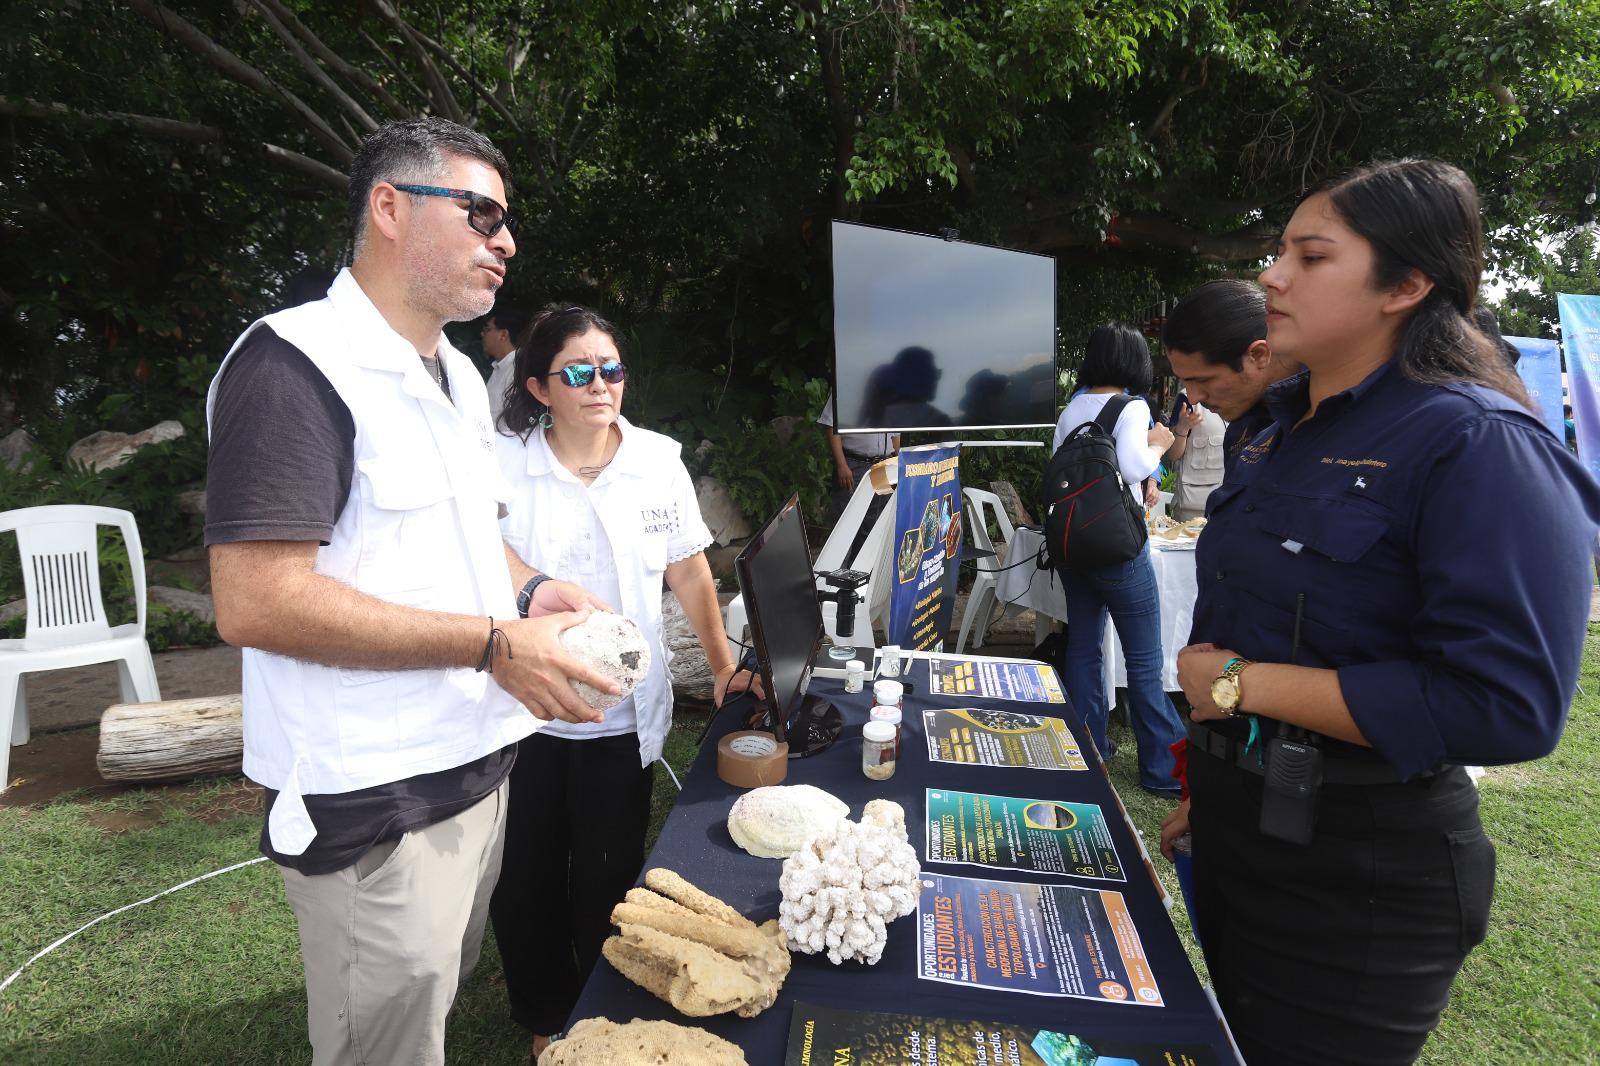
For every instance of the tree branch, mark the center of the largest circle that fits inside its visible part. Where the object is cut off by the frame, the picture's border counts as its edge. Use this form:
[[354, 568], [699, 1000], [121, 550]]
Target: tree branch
[[844, 134], [466, 76], [171, 128], [317, 74], [399, 72], [337, 62], [191, 37], [1248, 243], [443, 98]]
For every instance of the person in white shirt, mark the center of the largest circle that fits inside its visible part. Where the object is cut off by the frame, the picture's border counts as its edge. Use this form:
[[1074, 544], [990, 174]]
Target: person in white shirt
[[499, 338], [1118, 361], [628, 519], [357, 558]]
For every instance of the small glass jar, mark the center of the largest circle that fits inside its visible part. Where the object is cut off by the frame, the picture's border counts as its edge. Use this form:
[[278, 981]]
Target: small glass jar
[[878, 751], [889, 660], [893, 717], [855, 675], [887, 693]]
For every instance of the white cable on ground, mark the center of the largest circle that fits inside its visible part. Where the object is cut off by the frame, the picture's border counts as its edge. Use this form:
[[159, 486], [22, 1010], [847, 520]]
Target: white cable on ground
[[670, 774], [111, 914]]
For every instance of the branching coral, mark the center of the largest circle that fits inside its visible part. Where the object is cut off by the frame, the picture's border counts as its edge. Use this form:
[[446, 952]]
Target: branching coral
[[841, 891]]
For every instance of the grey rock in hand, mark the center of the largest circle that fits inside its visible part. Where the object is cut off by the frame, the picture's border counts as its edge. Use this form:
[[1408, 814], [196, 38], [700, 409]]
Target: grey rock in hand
[[612, 646]]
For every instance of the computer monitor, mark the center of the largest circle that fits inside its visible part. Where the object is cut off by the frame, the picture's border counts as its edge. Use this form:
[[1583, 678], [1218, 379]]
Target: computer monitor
[[780, 596], [934, 334]]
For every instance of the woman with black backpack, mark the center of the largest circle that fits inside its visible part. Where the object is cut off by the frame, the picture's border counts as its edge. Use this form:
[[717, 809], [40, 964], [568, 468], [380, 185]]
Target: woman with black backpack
[[1116, 371]]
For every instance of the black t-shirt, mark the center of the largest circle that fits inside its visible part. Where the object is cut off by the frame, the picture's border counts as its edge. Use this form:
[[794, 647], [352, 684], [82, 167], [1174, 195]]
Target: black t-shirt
[[282, 461]]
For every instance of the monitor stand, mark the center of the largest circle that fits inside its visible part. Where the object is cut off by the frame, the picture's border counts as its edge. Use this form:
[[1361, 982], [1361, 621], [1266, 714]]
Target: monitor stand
[[813, 728]]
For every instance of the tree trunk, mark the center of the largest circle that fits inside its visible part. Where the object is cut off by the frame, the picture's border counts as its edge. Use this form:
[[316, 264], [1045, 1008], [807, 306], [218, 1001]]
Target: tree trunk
[[172, 740]]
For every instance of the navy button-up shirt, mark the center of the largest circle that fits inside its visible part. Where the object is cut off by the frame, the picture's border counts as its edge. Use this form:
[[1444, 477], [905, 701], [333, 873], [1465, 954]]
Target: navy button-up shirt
[[1443, 540]]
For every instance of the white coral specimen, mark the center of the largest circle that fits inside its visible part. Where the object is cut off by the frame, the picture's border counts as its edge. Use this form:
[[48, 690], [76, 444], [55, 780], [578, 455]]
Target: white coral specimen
[[614, 646], [776, 821], [843, 888]]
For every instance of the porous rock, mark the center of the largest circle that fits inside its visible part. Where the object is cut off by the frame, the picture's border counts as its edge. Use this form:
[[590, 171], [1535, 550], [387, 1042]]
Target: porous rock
[[721, 515], [639, 1043], [776, 821], [694, 951], [612, 645], [106, 450], [686, 659]]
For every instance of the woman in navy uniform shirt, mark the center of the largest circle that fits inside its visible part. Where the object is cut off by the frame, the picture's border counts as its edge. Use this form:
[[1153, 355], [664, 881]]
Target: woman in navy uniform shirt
[[1429, 542]]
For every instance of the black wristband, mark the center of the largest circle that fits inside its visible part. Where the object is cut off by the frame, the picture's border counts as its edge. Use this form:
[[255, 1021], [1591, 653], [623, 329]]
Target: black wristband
[[525, 597]]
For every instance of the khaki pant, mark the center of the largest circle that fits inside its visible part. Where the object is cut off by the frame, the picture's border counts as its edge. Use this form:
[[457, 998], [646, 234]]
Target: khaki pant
[[386, 942]]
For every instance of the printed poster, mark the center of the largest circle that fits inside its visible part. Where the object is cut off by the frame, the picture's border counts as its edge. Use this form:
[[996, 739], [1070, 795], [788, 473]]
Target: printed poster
[[1540, 370], [980, 737], [986, 679], [1040, 940], [927, 546], [1580, 334], [828, 1036], [1006, 833]]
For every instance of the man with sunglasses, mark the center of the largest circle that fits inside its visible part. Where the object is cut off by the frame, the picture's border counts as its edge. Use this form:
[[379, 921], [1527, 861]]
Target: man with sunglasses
[[353, 507]]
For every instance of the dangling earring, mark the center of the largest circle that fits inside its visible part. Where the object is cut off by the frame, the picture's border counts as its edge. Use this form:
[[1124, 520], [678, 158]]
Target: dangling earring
[[544, 421]]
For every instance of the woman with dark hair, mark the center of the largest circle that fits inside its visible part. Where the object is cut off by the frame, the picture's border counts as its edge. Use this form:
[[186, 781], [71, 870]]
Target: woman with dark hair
[[1118, 362], [612, 506], [1394, 583]]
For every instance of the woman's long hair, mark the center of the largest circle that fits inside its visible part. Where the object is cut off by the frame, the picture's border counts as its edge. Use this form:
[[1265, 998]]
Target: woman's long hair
[[537, 348], [1422, 215]]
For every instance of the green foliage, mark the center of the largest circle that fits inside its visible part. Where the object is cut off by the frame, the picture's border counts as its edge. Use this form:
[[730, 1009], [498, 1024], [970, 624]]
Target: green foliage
[[1571, 266]]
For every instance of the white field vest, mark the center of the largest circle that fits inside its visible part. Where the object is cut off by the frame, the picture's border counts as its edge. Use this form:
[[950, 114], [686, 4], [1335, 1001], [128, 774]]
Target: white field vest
[[1201, 468], [420, 528]]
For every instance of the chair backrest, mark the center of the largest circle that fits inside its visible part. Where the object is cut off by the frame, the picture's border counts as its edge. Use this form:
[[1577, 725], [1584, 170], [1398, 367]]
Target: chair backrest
[[843, 534], [59, 548], [979, 503]]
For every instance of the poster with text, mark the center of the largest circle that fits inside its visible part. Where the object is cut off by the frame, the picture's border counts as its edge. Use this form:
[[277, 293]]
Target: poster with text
[[1004, 832], [1041, 940], [828, 1036], [1540, 370], [993, 680], [980, 737], [927, 546]]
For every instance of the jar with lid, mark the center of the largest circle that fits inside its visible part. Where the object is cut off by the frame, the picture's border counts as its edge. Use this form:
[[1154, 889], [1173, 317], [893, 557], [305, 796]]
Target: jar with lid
[[887, 693], [893, 716], [855, 675], [878, 750]]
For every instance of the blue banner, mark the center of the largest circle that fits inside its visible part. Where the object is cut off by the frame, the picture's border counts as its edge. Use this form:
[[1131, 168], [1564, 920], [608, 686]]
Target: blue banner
[[1540, 367], [927, 546], [1580, 333]]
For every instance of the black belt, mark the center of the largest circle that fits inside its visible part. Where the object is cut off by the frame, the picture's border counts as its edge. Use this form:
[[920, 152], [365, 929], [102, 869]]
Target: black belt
[[1335, 771]]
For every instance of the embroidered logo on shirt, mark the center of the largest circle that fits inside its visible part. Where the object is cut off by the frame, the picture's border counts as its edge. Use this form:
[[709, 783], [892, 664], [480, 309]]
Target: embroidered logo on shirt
[[1359, 483], [1329, 460], [659, 519]]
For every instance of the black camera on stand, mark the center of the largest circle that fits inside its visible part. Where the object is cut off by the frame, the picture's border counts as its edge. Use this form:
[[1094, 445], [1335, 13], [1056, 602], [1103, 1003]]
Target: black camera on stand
[[842, 586]]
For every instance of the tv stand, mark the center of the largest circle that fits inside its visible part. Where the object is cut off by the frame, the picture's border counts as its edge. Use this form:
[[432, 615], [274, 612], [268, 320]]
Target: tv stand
[[813, 728]]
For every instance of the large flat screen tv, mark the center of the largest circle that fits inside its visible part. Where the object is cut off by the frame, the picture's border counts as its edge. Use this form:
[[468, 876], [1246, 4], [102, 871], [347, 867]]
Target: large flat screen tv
[[934, 334]]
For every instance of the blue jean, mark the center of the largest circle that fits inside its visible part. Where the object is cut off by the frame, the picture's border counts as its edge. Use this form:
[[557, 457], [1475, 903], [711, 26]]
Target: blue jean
[[1127, 591]]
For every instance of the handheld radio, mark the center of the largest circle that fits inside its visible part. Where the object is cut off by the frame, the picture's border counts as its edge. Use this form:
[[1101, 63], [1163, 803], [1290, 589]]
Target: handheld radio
[[1294, 770]]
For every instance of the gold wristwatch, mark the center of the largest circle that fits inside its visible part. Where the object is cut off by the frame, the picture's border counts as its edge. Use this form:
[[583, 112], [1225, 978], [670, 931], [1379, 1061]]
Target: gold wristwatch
[[1225, 689]]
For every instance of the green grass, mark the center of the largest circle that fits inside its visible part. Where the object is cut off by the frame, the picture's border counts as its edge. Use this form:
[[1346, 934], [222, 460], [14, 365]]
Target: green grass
[[212, 974]]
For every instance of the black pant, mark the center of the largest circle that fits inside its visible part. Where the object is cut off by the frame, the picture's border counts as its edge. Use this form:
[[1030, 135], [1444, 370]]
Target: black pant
[[575, 828], [1341, 951], [840, 498]]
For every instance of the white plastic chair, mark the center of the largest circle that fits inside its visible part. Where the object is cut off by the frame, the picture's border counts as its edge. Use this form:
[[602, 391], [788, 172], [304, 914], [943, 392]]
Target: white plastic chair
[[67, 624], [872, 557], [980, 601]]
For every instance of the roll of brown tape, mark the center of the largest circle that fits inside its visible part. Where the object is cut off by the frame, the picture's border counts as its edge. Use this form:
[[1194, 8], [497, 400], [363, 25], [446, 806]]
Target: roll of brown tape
[[749, 758]]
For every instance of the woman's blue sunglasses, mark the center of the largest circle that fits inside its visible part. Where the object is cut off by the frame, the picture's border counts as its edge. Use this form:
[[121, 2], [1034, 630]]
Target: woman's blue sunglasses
[[579, 375]]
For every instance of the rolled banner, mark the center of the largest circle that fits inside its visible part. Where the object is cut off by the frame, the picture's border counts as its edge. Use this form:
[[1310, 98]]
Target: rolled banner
[[749, 758]]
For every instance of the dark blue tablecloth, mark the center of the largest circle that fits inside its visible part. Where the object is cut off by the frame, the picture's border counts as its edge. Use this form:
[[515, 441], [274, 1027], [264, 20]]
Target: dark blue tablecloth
[[695, 843]]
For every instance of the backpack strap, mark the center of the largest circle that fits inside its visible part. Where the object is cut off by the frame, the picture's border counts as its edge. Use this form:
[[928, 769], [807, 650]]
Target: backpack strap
[[1113, 411]]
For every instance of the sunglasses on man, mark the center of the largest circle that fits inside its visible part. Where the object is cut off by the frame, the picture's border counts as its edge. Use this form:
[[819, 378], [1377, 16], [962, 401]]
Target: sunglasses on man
[[579, 375], [484, 214]]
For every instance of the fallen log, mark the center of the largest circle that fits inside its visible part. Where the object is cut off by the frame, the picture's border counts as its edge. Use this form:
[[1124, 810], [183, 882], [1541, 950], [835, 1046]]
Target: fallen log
[[172, 740]]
